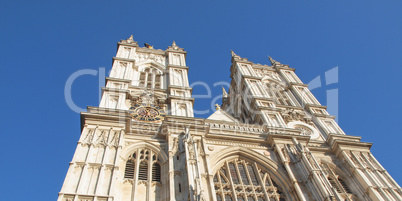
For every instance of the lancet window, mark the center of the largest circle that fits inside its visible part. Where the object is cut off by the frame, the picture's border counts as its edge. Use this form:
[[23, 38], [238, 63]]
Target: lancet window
[[143, 165], [279, 94], [151, 78], [249, 181]]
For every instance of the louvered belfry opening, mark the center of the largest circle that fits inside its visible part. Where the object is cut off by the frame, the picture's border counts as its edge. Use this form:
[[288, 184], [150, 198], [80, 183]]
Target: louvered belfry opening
[[130, 168], [150, 78], [334, 184], [140, 161], [344, 186], [143, 171], [156, 172]]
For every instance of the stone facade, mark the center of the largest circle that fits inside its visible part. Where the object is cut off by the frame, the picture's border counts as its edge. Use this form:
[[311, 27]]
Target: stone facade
[[270, 140]]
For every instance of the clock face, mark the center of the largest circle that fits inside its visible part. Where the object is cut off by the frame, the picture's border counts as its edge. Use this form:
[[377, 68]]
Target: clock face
[[145, 112]]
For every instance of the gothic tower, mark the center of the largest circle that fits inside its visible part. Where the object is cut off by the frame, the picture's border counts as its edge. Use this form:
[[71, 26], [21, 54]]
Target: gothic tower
[[270, 140]]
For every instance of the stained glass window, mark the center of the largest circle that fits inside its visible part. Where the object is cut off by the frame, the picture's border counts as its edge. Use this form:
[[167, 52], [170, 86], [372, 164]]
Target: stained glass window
[[228, 198], [243, 174], [233, 173], [253, 177]]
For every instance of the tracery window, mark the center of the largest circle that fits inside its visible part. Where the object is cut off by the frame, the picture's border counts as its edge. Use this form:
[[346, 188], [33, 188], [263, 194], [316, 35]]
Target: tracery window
[[151, 78], [280, 95], [143, 158], [248, 185]]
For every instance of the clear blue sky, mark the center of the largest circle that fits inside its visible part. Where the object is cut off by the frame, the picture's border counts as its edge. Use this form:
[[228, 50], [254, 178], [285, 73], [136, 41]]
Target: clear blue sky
[[43, 43]]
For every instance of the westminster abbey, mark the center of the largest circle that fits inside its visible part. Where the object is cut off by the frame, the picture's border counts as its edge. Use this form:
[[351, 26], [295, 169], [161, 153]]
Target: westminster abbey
[[269, 140]]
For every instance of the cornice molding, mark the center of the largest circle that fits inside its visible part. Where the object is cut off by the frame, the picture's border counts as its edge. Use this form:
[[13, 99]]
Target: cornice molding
[[177, 66]]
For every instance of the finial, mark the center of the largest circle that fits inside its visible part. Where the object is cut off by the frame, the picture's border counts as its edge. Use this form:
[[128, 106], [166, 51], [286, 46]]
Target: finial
[[224, 93], [233, 54], [217, 107], [273, 62], [131, 38], [174, 44]]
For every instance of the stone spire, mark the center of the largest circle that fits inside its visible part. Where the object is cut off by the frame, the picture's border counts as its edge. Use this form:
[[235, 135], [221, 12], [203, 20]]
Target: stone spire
[[129, 40], [237, 57], [224, 93], [273, 62], [232, 53], [175, 47]]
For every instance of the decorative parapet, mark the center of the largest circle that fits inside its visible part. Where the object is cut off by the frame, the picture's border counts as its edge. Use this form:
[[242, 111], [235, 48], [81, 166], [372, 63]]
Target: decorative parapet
[[236, 127]]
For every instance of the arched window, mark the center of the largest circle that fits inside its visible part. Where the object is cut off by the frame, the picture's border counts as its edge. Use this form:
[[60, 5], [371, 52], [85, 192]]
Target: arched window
[[151, 78], [279, 94], [143, 157], [243, 176]]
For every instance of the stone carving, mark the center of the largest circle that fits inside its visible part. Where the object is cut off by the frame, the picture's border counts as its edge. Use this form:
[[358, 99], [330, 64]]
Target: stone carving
[[131, 181], [175, 47], [147, 97], [115, 139], [304, 130], [175, 146], [236, 143], [292, 115], [236, 127], [88, 137], [129, 40], [191, 149], [270, 74], [143, 182], [200, 148], [139, 57], [101, 141], [211, 148]]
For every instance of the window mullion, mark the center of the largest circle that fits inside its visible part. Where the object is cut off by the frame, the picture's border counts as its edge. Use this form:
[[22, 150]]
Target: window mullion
[[137, 168], [221, 185], [248, 173], [230, 182], [249, 179], [240, 178], [149, 179], [261, 181]]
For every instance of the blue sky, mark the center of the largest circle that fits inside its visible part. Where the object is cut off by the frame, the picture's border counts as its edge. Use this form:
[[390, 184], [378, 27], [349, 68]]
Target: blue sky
[[43, 43]]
